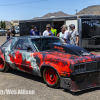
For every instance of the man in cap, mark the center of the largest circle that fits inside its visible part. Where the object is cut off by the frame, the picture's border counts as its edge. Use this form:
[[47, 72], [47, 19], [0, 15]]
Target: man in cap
[[37, 32], [48, 32], [74, 35], [66, 35]]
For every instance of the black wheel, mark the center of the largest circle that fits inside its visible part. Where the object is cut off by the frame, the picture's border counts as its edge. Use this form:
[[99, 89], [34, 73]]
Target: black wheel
[[3, 66], [51, 77]]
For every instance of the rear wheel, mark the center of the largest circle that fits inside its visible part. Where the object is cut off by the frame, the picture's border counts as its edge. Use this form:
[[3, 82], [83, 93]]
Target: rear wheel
[[51, 77], [3, 66]]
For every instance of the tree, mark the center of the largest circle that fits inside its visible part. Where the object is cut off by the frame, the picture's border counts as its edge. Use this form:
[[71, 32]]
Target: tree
[[1, 24], [4, 25]]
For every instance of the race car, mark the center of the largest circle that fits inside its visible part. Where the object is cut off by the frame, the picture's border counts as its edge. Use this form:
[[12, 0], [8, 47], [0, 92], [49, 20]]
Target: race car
[[68, 66]]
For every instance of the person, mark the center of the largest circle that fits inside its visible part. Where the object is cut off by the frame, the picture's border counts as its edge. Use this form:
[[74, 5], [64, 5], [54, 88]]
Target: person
[[61, 34], [48, 32], [8, 34], [32, 32], [13, 32], [37, 32], [74, 35], [66, 35], [54, 31]]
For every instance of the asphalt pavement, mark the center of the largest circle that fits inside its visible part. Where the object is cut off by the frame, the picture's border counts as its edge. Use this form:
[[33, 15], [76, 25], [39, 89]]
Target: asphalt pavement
[[16, 80]]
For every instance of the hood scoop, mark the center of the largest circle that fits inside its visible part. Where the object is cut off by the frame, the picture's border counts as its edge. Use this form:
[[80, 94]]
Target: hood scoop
[[71, 49]]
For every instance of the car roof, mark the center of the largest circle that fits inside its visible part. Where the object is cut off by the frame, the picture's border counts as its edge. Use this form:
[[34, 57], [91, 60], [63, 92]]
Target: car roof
[[34, 37]]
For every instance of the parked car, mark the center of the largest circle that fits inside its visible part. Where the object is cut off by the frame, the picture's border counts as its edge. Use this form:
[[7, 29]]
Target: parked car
[[3, 32], [68, 66], [17, 31]]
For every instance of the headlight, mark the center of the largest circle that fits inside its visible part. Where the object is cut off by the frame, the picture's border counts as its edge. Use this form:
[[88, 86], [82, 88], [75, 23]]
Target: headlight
[[79, 68], [88, 66], [76, 68], [94, 65], [82, 68]]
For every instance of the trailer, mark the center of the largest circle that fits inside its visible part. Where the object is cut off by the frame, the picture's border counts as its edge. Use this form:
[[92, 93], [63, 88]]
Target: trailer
[[88, 27]]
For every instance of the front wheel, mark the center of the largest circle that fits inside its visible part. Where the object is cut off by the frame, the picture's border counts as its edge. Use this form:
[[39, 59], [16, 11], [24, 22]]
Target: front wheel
[[51, 77], [3, 66]]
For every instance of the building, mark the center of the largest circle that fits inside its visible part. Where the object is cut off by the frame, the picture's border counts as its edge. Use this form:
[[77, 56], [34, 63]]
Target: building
[[15, 22]]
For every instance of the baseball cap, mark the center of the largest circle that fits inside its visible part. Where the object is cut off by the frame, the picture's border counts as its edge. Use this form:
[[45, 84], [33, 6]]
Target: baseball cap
[[64, 26], [72, 25], [48, 25]]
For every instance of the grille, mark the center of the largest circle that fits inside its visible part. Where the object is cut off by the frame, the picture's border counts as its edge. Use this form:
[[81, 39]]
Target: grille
[[76, 68], [89, 66], [82, 67], [93, 65]]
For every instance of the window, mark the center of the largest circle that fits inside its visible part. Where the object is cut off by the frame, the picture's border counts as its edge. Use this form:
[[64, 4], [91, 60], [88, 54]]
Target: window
[[7, 43], [22, 44], [43, 44]]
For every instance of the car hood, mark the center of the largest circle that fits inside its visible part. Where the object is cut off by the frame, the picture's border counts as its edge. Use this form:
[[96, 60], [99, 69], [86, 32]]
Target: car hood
[[74, 54], [73, 59]]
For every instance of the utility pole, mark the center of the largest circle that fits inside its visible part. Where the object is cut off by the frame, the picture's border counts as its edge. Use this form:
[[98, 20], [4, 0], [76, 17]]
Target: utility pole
[[76, 11]]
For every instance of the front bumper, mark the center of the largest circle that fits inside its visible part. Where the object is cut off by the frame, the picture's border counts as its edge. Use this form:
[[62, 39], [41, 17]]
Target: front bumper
[[81, 82]]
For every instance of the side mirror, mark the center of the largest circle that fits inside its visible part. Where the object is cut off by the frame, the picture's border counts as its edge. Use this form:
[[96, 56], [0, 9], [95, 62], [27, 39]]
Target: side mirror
[[29, 49]]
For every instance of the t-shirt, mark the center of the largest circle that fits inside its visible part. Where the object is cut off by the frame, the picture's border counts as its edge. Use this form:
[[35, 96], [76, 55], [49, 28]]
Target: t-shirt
[[8, 34], [61, 36], [66, 36], [13, 32], [54, 31], [46, 33], [37, 33], [74, 37], [32, 32]]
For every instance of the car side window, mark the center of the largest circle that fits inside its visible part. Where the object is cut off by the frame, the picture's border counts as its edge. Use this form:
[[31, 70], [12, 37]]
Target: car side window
[[23, 44], [7, 43]]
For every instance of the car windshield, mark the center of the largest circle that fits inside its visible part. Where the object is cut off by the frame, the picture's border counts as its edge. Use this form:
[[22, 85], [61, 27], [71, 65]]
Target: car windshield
[[41, 44]]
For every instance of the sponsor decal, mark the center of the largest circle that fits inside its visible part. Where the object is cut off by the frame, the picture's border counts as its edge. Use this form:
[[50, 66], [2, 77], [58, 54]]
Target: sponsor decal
[[59, 48], [19, 91]]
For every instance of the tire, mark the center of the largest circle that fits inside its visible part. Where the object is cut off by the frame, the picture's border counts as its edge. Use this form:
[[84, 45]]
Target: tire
[[51, 77], [3, 66]]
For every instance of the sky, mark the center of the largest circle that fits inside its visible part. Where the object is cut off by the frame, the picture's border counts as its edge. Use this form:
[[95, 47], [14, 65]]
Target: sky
[[28, 9]]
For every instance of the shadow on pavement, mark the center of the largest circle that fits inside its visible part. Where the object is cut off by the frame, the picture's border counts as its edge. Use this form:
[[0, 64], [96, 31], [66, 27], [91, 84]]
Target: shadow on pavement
[[40, 79], [82, 92], [26, 75]]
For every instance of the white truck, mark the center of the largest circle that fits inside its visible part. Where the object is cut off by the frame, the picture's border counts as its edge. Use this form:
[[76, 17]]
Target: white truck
[[3, 32]]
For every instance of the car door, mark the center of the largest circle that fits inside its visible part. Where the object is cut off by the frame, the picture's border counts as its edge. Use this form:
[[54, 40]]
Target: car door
[[21, 56], [6, 51]]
